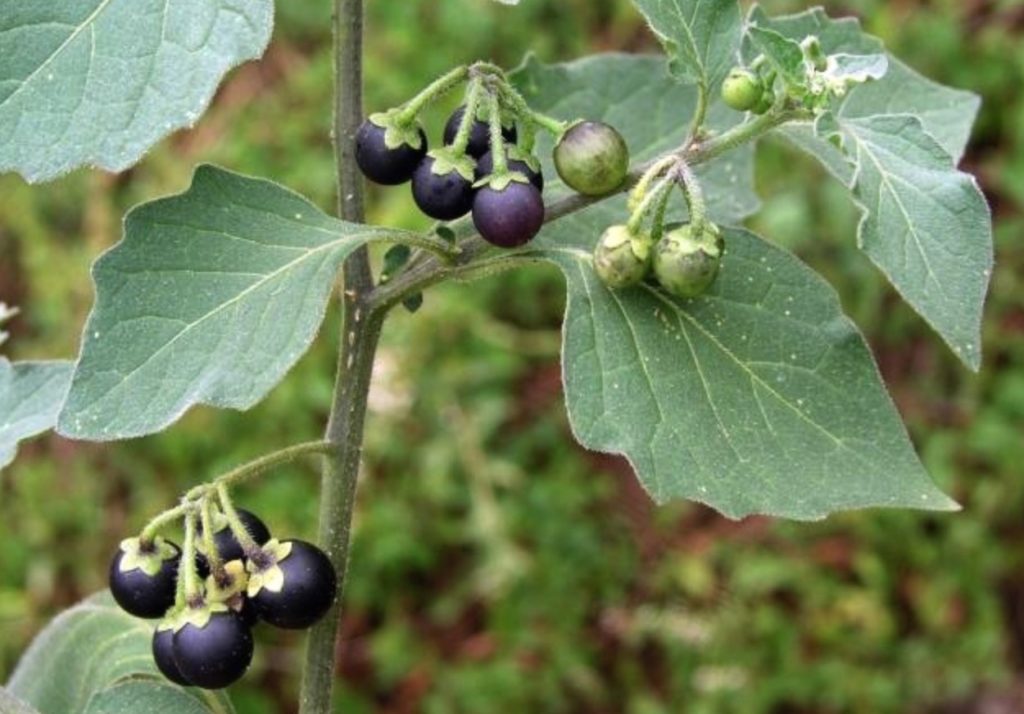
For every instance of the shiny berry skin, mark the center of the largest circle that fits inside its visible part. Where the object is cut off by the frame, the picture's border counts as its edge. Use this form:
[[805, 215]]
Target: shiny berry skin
[[228, 546], [163, 655], [619, 259], [742, 90], [384, 165], [444, 197], [686, 262], [215, 655], [307, 593], [141, 594], [485, 166], [479, 134], [509, 217], [592, 158]]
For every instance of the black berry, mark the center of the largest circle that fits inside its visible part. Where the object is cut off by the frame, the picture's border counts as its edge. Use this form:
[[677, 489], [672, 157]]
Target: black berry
[[479, 134], [508, 217], [485, 167], [442, 196], [139, 593], [387, 166], [216, 654], [307, 592], [163, 655], [228, 546]]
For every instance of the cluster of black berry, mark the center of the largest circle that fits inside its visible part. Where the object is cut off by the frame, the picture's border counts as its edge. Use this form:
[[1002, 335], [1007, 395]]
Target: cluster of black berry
[[486, 164], [236, 576]]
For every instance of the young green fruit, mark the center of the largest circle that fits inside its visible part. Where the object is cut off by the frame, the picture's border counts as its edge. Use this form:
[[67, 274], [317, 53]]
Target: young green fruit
[[620, 258], [742, 90], [592, 158], [686, 261]]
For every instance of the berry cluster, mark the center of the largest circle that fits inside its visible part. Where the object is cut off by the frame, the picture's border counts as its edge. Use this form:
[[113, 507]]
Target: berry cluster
[[234, 576], [486, 164], [683, 258]]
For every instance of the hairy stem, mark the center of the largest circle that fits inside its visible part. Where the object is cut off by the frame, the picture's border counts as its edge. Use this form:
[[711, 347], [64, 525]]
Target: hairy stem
[[359, 338], [697, 123]]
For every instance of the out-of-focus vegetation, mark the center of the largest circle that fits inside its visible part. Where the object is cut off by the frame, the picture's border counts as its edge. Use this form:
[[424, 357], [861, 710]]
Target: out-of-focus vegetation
[[497, 567]]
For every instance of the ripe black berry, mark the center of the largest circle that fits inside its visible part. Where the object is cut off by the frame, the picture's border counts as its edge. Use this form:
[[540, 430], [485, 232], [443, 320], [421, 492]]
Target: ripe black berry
[[479, 134], [385, 165], [216, 654], [592, 158], [228, 546], [142, 580], [163, 655], [307, 583], [508, 217], [485, 166], [444, 196]]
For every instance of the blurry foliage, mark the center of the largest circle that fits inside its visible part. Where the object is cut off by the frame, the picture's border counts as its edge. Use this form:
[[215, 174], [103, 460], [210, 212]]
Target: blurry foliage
[[497, 567]]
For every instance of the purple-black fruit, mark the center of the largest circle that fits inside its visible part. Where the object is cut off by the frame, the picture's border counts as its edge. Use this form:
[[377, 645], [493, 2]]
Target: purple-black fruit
[[485, 166], [301, 593], [216, 654], [444, 197], [479, 134], [142, 579], [508, 217], [163, 655], [382, 164]]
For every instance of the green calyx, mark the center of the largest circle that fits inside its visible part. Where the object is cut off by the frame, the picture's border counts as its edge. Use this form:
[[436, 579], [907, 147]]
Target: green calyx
[[516, 153], [622, 258], [686, 261], [234, 581], [499, 182], [397, 133], [742, 90], [198, 616], [267, 574], [148, 559], [446, 161]]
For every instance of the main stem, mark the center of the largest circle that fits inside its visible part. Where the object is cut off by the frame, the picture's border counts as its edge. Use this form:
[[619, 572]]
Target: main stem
[[360, 334]]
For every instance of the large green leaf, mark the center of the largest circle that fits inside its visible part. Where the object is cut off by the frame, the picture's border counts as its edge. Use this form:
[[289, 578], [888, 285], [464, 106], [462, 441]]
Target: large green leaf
[[925, 224], [9, 704], [760, 397], [97, 82], [210, 298], [31, 395], [636, 95], [701, 37], [96, 659]]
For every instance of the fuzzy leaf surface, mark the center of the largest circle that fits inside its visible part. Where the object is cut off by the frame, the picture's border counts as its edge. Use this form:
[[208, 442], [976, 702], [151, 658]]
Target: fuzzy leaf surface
[[97, 82], [31, 395]]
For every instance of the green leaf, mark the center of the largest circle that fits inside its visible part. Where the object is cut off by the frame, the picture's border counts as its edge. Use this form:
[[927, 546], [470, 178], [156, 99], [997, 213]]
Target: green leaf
[[31, 395], [94, 659], [97, 82], [759, 397], [925, 225], [635, 95], [211, 297], [783, 53], [701, 37], [9, 704]]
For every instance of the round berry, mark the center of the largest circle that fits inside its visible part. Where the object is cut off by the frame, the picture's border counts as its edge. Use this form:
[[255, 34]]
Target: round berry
[[592, 158], [214, 655], [163, 655], [620, 259], [686, 262], [485, 167], [296, 590], [479, 134], [445, 196], [742, 90], [142, 577], [228, 546], [510, 216], [386, 165]]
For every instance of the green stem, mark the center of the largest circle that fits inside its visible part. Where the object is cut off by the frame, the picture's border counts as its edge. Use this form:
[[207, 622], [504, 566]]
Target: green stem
[[694, 195], [654, 198], [193, 588], [162, 520], [498, 158], [468, 117], [436, 89], [360, 335], [639, 192], [697, 123], [263, 464], [249, 545], [523, 110], [209, 544]]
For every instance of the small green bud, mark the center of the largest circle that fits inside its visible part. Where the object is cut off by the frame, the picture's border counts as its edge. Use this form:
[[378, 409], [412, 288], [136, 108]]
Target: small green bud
[[742, 89], [685, 263], [620, 258]]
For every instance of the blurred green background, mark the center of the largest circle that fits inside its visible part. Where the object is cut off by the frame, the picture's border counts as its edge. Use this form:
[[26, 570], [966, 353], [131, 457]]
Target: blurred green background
[[497, 567]]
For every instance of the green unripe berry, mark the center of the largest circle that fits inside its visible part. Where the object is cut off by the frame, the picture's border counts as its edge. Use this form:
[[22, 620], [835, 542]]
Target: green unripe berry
[[592, 158], [686, 262], [620, 258], [742, 90]]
